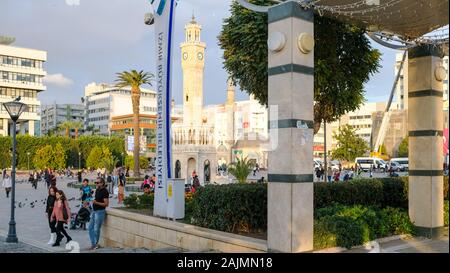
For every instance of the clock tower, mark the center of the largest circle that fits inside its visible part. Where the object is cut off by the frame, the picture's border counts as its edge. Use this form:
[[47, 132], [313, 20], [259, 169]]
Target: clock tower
[[193, 64]]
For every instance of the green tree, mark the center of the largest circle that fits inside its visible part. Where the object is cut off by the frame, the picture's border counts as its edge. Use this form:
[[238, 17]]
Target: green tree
[[135, 79], [59, 157], [43, 157], [109, 163], [129, 162], [350, 146], [403, 148], [5, 154], [241, 169], [343, 60], [93, 160]]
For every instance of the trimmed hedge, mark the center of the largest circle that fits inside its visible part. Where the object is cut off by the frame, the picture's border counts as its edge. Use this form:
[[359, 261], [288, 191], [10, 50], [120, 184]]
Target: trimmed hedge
[[231, 208], [346, 213], [379, 192]]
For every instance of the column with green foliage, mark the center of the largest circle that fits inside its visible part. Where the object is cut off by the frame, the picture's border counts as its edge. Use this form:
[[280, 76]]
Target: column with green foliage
[[291, 89]]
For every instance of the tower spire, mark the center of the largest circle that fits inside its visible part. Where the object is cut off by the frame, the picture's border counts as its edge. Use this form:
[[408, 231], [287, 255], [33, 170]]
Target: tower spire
[[193, 18]]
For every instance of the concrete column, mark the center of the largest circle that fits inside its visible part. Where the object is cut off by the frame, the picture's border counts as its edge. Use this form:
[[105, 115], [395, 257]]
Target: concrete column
[[291, 89], [425, 140], [5, 127], [31, 127]]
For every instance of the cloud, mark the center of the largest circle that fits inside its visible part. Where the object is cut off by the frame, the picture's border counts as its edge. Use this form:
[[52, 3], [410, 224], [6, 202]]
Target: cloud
[[58, 79]]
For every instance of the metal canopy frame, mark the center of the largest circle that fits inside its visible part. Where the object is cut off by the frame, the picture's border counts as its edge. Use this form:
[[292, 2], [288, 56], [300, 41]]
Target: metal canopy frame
[[396, 24]]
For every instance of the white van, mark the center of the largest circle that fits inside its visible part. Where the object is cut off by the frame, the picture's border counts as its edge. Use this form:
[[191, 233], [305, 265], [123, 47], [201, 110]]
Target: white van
[[366, 162], [403, 161]]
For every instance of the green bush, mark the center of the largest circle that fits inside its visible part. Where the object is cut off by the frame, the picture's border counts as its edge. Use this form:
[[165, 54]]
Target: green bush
[[143, 201], [131, 201], [379, 192], [231, 208], [347, 226], [146, 201]]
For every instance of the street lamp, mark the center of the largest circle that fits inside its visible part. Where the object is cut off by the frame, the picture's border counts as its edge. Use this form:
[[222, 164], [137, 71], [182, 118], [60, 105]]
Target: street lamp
[[79, 160], [14, 109], [28, 160]]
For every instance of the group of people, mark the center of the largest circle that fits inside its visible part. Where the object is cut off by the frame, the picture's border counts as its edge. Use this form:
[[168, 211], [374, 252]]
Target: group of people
[[93, 208]]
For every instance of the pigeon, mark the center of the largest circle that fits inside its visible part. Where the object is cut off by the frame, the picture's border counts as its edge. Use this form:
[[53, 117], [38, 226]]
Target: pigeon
[[18, 98]]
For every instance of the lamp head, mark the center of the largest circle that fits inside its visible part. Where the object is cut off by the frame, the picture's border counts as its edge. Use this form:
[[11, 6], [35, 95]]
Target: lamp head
[[15, 109]]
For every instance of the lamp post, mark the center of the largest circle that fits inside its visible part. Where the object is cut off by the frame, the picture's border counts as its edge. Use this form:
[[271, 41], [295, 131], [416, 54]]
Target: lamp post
[[79, 160], [14, 109], [28, 160]]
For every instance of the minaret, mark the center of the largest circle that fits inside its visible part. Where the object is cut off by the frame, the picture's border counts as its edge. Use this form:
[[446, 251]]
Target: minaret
[[192, 63], [229, 106], [230, 91]]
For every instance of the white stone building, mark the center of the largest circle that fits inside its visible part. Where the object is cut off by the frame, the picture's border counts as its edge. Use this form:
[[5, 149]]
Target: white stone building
[[21, 74], [103, 101]]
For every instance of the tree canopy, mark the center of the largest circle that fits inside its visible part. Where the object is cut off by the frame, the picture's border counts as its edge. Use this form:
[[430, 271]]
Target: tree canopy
[[403, 148], [343, 60], [350, 146]]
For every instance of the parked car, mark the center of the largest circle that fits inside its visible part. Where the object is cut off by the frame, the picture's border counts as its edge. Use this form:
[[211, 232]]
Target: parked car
[[395, 166], [403, 161], [367, 162]]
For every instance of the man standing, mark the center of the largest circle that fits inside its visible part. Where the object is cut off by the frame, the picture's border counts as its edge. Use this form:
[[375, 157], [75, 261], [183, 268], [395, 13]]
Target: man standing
[[47, 178], [101, 201]]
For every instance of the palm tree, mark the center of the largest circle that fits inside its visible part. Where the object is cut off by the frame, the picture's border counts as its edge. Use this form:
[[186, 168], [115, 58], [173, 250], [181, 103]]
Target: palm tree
[[135, 79], [77, 125], [66, 126], [241, 169], [109, 163]]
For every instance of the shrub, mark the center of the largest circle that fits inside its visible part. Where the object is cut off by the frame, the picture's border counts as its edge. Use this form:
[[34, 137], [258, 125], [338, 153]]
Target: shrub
[[368, 192], [131, 201], [146, 201], [348, 226], [331, 231], [231, 208], [142, 201]]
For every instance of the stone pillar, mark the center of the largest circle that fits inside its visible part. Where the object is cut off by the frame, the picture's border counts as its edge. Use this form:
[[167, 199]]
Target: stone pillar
[[425, 122], [291, 90], [31, 127], [5, 127]]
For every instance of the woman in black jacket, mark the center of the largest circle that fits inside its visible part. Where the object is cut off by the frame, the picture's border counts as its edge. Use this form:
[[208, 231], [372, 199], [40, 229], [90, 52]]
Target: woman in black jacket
[[49, 209]]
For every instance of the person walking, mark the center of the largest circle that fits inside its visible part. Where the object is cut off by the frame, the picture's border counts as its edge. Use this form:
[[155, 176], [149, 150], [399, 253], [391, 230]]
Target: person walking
[[329, 173], [6, 183], [121, 192], [47, 178], [32, 181], [61, 214], [51, 198], [101, 201]]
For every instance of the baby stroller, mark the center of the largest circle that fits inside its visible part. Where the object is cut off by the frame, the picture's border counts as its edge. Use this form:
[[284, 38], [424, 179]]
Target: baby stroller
[[79, 220]]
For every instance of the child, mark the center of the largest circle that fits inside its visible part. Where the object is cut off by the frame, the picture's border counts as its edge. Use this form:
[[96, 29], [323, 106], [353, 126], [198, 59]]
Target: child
[[121, 192], [83, 215], [86, 191]]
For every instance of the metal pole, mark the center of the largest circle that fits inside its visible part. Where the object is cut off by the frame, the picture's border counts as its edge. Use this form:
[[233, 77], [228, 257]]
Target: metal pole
[[12, 236], [79, 161]]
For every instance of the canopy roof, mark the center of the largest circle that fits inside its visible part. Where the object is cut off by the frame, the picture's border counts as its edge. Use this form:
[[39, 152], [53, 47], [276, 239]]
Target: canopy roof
[[407, 18]]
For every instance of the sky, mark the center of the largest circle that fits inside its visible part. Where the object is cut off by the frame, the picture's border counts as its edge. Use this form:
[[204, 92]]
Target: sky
[[91, 40]]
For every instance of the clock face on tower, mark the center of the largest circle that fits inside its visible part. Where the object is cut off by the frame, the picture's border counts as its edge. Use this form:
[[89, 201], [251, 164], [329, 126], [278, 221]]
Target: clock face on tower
[[185, 56], [200, 56]]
